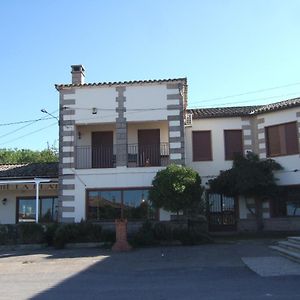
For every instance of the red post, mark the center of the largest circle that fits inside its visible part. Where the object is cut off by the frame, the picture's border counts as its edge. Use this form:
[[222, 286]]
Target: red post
[[121, 243]]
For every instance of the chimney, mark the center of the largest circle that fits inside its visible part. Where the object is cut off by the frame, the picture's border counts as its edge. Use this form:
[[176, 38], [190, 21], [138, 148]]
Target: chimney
[[77, 74]]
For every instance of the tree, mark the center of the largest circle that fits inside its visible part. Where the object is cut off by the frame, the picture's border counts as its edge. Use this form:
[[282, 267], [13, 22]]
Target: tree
[[176, 189], [248, 177], [20, 156]]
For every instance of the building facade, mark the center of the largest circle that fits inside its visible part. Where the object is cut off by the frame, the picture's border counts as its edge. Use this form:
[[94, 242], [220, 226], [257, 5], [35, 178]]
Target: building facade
[[114, 137], [21, 185], [271, 131]]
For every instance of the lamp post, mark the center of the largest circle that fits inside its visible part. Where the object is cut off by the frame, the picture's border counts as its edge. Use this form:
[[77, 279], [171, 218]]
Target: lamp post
[[43, 110]]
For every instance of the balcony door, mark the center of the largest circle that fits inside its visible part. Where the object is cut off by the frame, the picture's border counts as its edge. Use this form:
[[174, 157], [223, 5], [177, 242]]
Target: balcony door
[[149, 147], [102, 149]]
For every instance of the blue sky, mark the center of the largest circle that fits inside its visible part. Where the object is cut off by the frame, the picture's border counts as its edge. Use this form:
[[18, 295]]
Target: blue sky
[[223, 47]]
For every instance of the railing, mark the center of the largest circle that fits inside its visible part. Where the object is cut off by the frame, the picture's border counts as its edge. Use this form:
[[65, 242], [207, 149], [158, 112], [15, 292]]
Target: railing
[[148, 155], [88, 157]]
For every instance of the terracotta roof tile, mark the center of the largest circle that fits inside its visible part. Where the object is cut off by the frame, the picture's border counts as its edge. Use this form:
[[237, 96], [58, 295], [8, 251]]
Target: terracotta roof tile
[[154, 81], [30, 170], [240, 111]]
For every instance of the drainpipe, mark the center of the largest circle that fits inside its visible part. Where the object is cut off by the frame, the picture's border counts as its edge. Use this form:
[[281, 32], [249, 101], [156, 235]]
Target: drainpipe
[[37, 189]]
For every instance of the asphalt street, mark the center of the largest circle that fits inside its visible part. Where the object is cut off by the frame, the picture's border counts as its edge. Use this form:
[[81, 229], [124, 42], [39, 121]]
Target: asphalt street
[[215, 271]]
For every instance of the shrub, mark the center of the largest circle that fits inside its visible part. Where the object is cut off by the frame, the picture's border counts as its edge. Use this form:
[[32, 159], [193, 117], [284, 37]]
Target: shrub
[[30, 233], [144, 236], [108, 236], [163, 232], [76, 233], [50, 232], [8, 234]]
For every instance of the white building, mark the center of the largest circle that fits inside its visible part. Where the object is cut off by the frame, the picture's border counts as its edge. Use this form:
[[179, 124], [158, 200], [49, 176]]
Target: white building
[[271, 131], [114, 137]]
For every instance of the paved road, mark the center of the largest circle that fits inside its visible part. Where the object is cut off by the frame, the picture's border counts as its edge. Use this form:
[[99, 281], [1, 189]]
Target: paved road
[[202, 272]]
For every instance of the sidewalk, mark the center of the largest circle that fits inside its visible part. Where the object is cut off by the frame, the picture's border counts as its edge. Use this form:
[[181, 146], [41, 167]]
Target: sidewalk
[[214, 271]]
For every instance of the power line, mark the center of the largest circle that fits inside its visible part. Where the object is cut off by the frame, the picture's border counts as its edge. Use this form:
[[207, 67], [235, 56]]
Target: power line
[[250, 92], [26, 121], [250, 100], [18, 129], [29, 121], [30, 133]]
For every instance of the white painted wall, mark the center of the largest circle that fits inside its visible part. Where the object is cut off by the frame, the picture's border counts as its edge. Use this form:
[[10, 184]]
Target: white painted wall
[[152, 98], [134, 127], [289, 162], [120, 177], [8, 211], [86, 133], [208, 169], [143, 103], [102, 98]]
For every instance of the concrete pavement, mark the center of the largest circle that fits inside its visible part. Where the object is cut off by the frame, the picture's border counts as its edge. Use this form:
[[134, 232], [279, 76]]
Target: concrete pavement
[[214, 271]]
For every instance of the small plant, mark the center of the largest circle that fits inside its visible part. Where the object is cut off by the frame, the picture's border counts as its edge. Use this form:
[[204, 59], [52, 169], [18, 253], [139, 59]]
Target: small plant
[[30, 233]]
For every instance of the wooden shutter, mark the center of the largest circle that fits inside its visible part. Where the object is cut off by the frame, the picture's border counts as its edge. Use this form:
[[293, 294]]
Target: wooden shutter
[[291, 138], [233, 141], [273, 141], [202, 150]]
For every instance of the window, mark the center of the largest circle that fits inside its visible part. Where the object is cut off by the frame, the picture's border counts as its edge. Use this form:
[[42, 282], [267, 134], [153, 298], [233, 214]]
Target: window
[[233, 141], [106, 205], [202, 150], [48, 209], [282, 139], [287, 202]]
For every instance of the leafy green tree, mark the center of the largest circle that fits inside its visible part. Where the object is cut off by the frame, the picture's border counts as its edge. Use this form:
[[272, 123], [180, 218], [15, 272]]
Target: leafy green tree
[[176, 189], [20, 156], [250, 177]]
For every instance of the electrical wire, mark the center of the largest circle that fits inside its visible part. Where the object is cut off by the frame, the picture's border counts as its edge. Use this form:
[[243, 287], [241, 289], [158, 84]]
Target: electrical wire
[[16, 130], [26, 121], [249, 100], [30, 133], [250, 92]]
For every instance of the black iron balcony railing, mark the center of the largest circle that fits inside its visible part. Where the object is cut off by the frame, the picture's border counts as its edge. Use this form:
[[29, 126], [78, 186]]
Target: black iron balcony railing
[[88, 157], [148, 155]]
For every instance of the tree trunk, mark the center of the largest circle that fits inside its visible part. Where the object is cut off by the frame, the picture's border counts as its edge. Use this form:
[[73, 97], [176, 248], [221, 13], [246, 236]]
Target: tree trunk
[[259, 215]]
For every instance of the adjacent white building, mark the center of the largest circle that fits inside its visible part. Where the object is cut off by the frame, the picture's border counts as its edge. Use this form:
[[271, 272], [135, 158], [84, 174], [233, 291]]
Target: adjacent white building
[[115, 136]]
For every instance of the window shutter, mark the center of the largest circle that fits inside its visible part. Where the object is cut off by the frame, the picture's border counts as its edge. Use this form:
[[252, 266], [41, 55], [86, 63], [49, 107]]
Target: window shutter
[[291, 138], [233, 141], [202, 146], [273, 141]]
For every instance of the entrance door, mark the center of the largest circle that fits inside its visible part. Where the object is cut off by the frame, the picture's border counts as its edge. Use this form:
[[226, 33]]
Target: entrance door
[[149, 147], [221, 213], [102, 149]]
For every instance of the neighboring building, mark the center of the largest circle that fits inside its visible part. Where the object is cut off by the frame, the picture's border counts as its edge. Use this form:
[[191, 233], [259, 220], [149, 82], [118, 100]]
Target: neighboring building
[[20, 185], [114, 137], [271, 131]]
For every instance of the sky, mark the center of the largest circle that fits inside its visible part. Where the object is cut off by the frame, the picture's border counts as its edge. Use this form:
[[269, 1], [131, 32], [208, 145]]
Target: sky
[[232, 52]]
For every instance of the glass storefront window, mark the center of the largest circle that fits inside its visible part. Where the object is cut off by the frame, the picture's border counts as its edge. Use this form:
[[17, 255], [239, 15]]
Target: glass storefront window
[[104, 205], [107, 204], [48, 209]]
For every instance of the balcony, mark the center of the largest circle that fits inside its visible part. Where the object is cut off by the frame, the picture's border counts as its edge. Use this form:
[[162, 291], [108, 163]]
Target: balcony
[[89, 157]]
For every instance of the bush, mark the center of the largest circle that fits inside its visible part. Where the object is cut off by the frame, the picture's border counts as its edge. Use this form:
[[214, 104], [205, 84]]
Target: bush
[[30, 233], [22, 233], [8, 234], [163, 232], [193, 234], [50, 232], [76, 233], [144, 236], [108, 236]]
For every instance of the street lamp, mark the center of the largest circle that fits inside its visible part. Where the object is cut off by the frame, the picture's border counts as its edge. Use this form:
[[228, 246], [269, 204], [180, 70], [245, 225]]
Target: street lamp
[[43, 110]]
